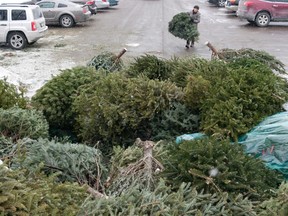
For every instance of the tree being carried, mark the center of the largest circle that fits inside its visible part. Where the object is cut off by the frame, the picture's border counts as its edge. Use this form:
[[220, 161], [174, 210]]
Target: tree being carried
[[184, 26]]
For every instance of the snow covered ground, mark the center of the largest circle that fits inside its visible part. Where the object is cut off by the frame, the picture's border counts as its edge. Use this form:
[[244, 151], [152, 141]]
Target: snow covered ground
[[36, 64]]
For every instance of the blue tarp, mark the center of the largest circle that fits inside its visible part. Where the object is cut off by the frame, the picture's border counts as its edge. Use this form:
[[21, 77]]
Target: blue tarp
[[192, 136], [269, 141]]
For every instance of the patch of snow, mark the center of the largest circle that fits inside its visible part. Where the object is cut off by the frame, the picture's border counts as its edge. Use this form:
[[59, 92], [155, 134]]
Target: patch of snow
[[33, 68]]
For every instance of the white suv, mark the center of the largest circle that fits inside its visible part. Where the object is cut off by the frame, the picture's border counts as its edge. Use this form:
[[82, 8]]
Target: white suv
[[21, 25]]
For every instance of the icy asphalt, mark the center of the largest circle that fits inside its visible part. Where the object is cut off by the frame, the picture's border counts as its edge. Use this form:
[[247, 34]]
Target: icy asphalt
[[141, 26]]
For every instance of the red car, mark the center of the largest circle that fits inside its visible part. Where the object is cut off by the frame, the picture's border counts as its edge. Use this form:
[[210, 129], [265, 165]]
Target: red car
[[262, 12]]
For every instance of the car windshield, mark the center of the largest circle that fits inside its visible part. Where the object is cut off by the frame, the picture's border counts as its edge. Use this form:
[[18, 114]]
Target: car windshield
[[37, 13]]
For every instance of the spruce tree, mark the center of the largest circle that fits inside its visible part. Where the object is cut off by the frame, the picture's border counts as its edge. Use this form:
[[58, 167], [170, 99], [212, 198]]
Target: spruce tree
[[118, 109]]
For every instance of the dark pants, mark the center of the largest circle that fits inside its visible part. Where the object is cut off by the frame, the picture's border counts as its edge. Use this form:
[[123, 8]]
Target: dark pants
[[190, 42]]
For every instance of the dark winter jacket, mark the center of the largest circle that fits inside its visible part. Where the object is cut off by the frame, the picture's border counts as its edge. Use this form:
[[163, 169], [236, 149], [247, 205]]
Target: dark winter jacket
[[195, 17]]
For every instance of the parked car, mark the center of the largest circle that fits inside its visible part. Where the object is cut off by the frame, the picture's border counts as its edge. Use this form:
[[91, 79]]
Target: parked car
[[101, 4], [21, 25], [63, 12], [232, 5], [219, 3], [263, 12], [113, 2], [90, 4], [18, 1]]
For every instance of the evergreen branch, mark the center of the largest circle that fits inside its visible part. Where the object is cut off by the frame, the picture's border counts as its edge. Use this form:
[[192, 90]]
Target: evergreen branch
[[95, 193], [53, 167], [209, 180]]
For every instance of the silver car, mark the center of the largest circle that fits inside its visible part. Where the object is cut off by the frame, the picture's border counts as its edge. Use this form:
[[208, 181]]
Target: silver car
[[21, 25], [64, 12]]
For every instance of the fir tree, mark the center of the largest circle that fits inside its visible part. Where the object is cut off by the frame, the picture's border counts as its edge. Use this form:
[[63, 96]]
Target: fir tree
[[219, 166], [73, 162], [182, 27], [11, 95], [55, 98], [23, 193], [19, 123], [117, 109]]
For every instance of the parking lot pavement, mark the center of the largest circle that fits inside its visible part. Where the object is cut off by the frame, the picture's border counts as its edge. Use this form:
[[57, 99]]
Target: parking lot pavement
[[142, 27]]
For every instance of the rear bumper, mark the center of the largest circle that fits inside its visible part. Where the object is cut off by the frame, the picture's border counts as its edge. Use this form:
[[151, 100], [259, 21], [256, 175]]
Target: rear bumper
[[83, 17], [213, 1], [113, 3], [36, 35], [87, 16], [243, 14], [231, 7], [103, 5]]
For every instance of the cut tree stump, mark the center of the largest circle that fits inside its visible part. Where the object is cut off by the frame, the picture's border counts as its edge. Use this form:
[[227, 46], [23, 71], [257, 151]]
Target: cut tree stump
[[215, 53]]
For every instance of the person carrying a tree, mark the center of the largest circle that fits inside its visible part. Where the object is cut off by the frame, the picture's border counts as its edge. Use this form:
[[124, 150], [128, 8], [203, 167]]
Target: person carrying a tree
[[195, 19]]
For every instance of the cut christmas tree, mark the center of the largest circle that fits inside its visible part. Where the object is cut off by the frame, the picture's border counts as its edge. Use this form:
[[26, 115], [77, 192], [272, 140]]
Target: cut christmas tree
[[181, 26]]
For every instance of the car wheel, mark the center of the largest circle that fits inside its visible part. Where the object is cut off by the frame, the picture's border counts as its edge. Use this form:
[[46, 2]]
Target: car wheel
[[221, 3], [262, 19], [66, 21], [17, 40]]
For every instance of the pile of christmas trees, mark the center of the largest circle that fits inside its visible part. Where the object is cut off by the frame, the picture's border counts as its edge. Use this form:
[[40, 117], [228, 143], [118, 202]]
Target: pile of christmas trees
[[100, 139]]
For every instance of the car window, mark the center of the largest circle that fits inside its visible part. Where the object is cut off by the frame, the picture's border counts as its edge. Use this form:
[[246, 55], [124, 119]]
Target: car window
[[37, 13], [18, 15], [60, 5], [46, 4], [3, 15]]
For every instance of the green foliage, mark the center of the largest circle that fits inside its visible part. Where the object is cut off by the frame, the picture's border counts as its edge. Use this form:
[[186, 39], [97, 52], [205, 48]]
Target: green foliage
[[18, 123], [107, 61], [240, 97], [182, 27], [172, 122], [192, 161], [164, 201], [123, 157], [184, 67], [150, 66], [230, 55], [55, 98], [25, 194], [72, 162], [196, 92], [10, 95], [7, 148], [118, 109], [276, 206]]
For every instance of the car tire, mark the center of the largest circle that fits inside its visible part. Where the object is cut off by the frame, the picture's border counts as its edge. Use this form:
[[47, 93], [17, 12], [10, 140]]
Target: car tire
[[221, 3], [66, 21], [262, 19], [17, 40]]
